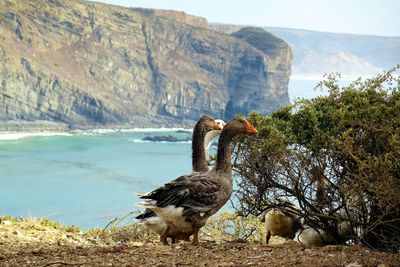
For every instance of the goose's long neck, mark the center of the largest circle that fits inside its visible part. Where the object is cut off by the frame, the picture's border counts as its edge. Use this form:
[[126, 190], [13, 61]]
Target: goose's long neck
[[224, 153], [199, 161], [207, 141]]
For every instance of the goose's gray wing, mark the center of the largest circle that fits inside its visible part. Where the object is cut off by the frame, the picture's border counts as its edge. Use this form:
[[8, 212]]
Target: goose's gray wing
[[197, 191], [146, 214]]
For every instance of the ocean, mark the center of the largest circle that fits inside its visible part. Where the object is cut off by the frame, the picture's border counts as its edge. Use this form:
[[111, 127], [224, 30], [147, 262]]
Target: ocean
[[88, 178]]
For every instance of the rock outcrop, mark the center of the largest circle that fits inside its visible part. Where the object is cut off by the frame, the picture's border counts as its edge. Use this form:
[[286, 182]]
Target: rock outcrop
[[166, 138], [85, 64]]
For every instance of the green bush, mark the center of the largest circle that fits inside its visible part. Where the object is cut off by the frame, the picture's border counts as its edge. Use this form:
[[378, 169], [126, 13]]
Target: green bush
[[336, 156]]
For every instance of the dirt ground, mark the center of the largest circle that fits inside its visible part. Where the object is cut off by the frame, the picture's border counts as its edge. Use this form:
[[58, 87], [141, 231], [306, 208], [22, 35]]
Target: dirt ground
[[234, 254], [32, 244]]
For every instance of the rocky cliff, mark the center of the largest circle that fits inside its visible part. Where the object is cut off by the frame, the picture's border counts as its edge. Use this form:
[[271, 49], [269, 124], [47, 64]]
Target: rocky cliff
[[83, 64]]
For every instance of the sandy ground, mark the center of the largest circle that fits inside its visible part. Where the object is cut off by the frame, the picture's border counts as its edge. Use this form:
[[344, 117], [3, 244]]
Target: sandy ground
[[32, 244]]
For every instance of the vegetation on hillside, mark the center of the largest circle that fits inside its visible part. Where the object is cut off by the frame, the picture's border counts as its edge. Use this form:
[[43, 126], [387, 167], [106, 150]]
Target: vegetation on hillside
[[261, 39], [223, 227], [337, 157]]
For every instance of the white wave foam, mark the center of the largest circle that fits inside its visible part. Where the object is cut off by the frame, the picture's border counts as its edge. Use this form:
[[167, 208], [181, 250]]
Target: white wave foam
[[133, 130], [11, 136]]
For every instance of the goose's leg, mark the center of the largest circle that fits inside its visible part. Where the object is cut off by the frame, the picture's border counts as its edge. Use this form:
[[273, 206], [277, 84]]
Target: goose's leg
[[164, 236], [195, 240], [268, 236]]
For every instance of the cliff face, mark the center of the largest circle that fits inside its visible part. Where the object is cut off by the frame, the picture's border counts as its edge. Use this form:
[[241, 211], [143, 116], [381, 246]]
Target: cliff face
[[87, 64], [270, 71]]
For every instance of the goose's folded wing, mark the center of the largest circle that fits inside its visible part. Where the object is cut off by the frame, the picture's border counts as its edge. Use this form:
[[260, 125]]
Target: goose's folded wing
[[196, 191]]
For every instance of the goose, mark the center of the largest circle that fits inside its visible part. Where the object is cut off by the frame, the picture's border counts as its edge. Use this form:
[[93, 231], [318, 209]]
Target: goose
[[204, 131], [277, 223], [309, 237], [282, 220], [207, 140], [188, 201], [201, 141]]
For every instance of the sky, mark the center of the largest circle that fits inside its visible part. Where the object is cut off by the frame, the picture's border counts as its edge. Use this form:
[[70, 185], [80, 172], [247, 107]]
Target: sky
[[374, 17]]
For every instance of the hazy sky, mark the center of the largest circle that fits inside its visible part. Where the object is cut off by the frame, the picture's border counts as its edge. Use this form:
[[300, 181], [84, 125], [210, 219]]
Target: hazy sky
[[377, 17]]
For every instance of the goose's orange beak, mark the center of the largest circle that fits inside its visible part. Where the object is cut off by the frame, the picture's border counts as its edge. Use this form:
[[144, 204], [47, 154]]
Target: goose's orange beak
[[216, 126], [250, 129]]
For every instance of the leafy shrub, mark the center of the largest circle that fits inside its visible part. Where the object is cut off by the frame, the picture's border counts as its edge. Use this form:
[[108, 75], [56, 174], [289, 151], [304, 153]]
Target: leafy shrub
[[336, 156]]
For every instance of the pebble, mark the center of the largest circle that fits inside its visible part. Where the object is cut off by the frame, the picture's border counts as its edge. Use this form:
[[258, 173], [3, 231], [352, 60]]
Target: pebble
[[354, 264], [17, 233]]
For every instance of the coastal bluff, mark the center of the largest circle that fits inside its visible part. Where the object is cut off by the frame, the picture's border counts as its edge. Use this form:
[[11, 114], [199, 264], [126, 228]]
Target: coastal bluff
[[77, 64]]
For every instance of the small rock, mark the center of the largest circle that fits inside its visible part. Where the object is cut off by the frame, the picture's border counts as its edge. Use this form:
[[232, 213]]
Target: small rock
[[227, 264], [136, 244], [36, 251], [184, 131], [6, 222], [17, 233], [161, 138], [354, 264]]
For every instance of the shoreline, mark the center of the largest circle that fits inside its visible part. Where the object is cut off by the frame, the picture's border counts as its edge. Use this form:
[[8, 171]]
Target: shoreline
[[54, 126], [12, 135]]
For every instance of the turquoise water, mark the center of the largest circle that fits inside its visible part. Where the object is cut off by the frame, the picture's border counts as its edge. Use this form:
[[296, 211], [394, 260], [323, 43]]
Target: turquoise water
[[85, 180]]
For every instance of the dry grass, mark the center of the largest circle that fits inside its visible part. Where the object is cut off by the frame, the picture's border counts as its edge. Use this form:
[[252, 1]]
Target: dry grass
[[40, 242]]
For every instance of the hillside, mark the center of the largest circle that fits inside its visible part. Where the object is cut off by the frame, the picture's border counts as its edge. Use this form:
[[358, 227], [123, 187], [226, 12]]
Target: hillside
[[76, 64], [351, 54]]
